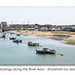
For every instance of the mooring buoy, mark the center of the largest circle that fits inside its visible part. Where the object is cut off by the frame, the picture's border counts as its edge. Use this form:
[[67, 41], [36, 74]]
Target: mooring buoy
[[40, 45], [61, 54], [7, 38]]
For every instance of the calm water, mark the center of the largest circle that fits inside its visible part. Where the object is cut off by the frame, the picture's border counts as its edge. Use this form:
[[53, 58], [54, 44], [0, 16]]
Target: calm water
[[22, 54]]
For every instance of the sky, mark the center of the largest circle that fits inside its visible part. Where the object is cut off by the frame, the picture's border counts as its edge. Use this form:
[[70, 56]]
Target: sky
[[55, 15]]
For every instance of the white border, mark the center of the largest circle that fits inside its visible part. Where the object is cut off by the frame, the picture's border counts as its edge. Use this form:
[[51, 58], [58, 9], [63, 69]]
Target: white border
[[37, 2]]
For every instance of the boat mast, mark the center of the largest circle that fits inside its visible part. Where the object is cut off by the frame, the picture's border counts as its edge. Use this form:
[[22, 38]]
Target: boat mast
[[11, 22], [28, 21]]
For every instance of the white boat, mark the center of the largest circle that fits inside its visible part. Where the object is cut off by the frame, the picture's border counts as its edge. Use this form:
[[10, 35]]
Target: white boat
[[18, 34], [32, 44]]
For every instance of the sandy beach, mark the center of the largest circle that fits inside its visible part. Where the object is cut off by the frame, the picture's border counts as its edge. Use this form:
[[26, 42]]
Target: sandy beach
[[62, 36]]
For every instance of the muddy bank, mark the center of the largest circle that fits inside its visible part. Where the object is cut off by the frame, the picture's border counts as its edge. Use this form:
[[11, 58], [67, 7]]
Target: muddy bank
[[63, 37], [60, 37]]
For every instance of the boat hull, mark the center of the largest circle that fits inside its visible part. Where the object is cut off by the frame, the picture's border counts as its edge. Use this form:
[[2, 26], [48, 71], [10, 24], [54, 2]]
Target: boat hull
[[18, 34], [33, 44], [3, 36], [46, 51], [17, 41], [50, 52], [12, 38], [40, 52]]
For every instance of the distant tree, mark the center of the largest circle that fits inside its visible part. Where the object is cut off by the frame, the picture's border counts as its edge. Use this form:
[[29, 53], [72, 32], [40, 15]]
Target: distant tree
[[36, 24]]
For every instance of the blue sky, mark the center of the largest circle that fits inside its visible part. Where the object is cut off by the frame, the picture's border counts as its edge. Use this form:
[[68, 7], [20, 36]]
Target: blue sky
[[57, 15]]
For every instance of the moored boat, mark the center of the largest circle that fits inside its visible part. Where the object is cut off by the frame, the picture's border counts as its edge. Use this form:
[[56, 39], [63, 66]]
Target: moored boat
[[40, 51], [32, 44], [11, 32], [50, 51], [18, 34], [46, 51], [12, 38], [3, 36], [17, 41]]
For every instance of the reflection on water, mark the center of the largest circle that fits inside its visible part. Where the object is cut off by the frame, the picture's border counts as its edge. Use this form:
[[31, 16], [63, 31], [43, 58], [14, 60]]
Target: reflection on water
[[22, 54]]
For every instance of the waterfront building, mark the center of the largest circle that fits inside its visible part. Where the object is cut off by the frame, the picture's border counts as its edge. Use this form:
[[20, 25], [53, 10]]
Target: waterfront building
[[3, 25], [21, 26]]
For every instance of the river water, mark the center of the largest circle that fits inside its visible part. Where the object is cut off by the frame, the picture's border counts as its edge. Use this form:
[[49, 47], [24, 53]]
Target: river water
[[22, 54]]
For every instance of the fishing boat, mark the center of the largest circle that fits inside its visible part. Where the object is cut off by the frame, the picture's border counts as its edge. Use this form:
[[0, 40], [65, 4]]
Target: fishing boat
[[40, 51], [3, 36], [32, 44], [11, 32], [18, 34], [46, 51], [17, 41], [50, 51], [12, 38]]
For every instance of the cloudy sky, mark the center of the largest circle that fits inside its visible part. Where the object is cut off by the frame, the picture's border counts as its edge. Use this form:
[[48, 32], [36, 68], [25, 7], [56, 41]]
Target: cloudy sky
[[36, 14]]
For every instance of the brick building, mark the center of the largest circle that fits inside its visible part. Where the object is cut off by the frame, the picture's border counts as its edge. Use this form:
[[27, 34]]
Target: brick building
[[3, 25]]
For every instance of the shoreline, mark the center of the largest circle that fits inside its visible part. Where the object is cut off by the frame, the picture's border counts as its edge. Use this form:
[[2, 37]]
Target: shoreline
[[61, 36]]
